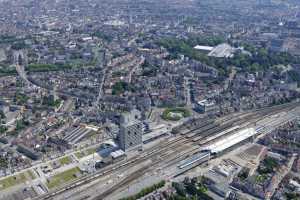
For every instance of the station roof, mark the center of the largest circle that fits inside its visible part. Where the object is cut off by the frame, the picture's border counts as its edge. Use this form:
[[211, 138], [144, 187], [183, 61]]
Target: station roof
[[230, 141]]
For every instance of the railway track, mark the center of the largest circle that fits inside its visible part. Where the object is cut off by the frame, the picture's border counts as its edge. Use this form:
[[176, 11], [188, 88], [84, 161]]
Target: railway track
[[155, 159], [160, 151], [150, 154], [251, 118], [133, 176], [171, 160], [139, 173], [242, 120]]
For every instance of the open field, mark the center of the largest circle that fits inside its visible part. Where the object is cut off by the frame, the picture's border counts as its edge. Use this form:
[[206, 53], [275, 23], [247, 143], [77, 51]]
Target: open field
[[16, 179], [63, 177], [65, 160]]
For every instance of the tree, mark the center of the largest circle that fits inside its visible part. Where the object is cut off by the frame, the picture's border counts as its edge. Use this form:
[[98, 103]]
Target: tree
[[120, 87], [180, 189], [3, 129], [191, 189], [2, 116]]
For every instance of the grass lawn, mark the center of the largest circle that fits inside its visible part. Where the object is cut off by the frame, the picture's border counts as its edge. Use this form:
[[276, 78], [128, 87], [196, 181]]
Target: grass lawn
[[65, 160], [175, 114], [16, 179], [63, 177]]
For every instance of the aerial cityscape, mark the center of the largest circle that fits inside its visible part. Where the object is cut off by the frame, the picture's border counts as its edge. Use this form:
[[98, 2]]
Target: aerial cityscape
[[149, 99]]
